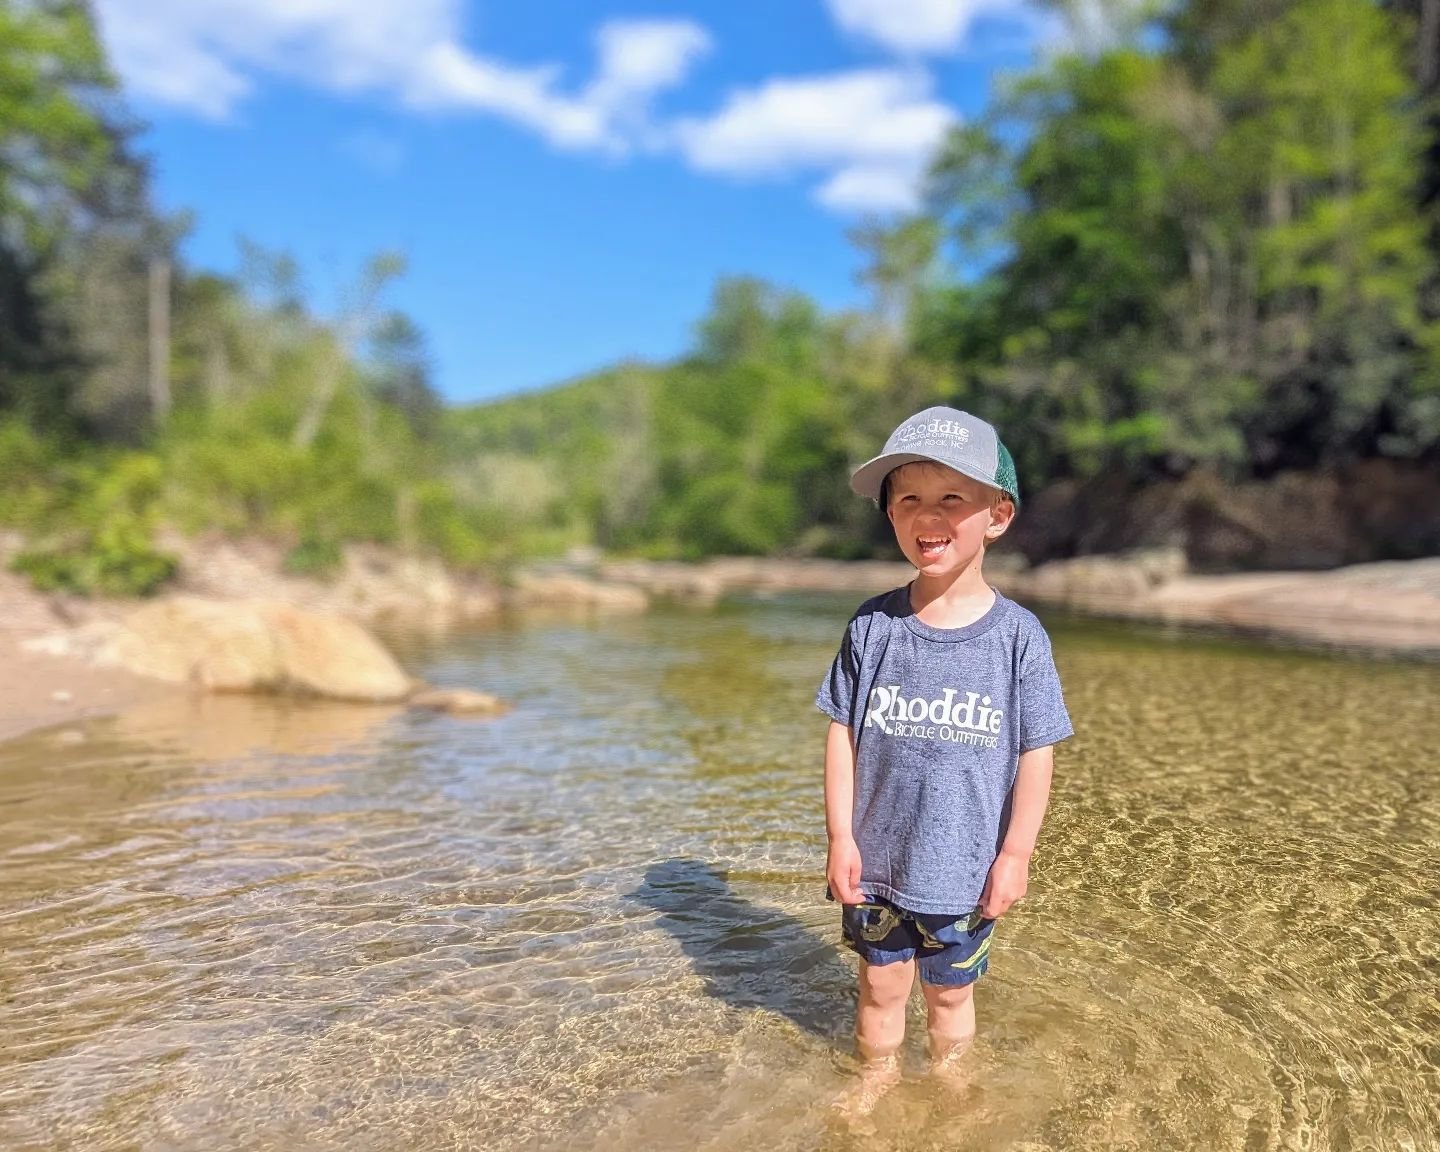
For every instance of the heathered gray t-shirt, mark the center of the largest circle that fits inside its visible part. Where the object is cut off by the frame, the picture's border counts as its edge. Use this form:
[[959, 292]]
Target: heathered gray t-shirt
[[939, 717]]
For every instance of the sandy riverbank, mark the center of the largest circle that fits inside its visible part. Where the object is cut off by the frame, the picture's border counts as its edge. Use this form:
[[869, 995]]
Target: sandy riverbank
[[39, 690], [43, 691]]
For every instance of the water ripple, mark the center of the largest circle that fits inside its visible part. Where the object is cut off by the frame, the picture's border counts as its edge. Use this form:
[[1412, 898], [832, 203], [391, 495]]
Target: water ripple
[[596, 922]]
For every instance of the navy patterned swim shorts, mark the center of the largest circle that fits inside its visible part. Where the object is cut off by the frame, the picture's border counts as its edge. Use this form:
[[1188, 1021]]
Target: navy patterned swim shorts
[[951, 950]]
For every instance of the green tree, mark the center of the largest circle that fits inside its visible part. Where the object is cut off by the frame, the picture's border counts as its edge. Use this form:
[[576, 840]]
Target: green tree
[[57, 159], [1064, 190], [1205, 254], [1321, 146]]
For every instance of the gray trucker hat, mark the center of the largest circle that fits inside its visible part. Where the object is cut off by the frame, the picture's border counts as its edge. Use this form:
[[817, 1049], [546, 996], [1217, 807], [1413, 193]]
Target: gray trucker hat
[[942, 436]]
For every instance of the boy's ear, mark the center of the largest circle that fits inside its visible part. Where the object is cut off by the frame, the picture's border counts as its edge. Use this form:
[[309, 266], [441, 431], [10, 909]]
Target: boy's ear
[[1002, 515]]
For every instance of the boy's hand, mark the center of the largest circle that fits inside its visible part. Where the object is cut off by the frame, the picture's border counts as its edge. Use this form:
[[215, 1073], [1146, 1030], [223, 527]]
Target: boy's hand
[[842, 871], [1009, 878]]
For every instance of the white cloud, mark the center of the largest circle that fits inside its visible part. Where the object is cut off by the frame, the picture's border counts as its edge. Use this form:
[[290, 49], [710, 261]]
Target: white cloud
[[871, 133], [860, 189], [343, 45], [863, 137], [169, 68], [637, 61], [639, 57], [205, 56], [919, 27]]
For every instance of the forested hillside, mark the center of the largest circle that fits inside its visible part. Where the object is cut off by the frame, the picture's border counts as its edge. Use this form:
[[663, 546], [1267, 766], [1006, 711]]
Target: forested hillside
[[1192, 258], [1200, 258]]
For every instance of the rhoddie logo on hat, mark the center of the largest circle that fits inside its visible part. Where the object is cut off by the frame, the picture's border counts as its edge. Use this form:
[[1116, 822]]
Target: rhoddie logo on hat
[[934, 430]]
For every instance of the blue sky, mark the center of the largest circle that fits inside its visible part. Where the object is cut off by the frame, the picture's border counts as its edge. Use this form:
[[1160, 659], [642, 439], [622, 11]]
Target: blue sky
[[567, 179]]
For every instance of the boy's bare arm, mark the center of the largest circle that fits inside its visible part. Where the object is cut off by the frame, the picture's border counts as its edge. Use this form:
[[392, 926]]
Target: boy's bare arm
[[842, 864], [1010, 874]]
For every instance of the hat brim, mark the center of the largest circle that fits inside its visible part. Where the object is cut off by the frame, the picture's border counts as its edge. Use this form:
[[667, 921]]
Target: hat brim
[[869, 478]]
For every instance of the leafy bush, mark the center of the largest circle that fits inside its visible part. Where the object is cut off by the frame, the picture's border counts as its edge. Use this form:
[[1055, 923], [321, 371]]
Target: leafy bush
[[27, 475], [117, 560], [107, 507]]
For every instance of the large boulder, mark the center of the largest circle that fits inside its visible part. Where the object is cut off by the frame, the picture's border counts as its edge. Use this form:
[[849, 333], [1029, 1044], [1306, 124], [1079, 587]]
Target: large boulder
[[254, 646]]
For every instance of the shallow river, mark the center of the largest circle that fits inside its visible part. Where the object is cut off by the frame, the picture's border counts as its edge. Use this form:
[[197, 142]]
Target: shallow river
[[598, 921]]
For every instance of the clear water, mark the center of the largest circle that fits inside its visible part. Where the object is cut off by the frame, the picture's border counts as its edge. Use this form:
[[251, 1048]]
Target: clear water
[[597, 922]]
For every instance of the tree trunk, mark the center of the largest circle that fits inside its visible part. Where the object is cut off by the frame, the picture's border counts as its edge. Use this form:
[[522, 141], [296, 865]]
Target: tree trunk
[[217, 371], [326, 385], [1427, 48], [406, 528], [160, 339]]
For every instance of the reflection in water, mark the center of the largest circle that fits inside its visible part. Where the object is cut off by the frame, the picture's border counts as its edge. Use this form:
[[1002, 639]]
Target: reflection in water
[[598, 921], [218, 728]]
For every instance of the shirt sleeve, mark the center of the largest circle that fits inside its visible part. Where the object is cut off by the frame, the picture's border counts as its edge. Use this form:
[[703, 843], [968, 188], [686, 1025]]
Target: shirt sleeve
[[1043, 717], [836, 697]]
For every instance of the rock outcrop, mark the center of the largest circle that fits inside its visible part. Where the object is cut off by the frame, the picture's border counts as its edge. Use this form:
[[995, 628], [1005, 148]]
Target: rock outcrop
[[1389, 605], [374, 585], [241, 646], [573, 592], [1294, 521]]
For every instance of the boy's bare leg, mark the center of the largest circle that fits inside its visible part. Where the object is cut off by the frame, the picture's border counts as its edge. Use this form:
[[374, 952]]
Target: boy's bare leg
[[879, 1032], [951, 1022]]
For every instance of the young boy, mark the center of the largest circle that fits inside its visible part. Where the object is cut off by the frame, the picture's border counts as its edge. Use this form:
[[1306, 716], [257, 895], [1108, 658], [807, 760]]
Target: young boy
[[944, 704]]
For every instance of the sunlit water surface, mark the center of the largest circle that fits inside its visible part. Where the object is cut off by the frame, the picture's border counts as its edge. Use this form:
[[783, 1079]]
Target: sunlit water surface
[[598, 921]]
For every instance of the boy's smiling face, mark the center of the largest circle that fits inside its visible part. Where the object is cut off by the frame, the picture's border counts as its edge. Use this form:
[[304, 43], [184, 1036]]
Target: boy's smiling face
[[942, 518]]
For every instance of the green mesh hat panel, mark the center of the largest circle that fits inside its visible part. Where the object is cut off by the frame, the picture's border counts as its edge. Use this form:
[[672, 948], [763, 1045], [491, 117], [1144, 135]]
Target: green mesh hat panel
[[1005, 478]]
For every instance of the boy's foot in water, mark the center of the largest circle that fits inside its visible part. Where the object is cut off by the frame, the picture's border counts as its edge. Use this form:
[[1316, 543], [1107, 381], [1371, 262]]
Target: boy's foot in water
[[876, 1078], [948, 1064]]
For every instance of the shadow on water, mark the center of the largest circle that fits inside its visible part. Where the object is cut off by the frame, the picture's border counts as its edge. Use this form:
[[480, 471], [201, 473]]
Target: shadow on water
[[750, 956]]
